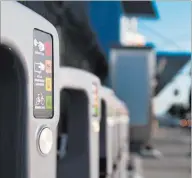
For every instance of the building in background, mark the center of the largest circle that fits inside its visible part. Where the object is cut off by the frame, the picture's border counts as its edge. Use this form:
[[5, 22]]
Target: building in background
[[174, 81], [116, 22], [133, 10], [168, 66]]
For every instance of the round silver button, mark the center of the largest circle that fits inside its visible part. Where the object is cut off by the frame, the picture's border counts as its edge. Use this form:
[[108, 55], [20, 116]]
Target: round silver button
[[45, 140]]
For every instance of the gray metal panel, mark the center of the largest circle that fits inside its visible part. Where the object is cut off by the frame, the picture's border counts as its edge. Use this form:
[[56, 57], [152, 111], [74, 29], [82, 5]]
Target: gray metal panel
[[18, 35], [131, 74], [131, 85], [83, 158]]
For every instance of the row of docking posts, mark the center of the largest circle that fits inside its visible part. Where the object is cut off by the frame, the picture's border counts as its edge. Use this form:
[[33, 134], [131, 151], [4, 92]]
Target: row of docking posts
[[54, 121]]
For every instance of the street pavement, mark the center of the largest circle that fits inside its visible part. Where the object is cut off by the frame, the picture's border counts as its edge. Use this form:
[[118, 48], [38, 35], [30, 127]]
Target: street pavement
[[174, 143]]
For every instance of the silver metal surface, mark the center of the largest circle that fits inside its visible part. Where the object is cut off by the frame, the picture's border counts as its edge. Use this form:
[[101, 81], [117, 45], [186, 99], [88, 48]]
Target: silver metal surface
[[45, 140]]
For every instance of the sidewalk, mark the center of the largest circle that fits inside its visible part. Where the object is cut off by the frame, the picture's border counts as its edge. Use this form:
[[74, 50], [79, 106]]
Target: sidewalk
[[174, 145]]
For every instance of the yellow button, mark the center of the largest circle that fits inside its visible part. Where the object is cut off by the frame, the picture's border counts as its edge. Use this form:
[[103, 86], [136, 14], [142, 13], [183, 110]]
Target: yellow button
[[48, 84]]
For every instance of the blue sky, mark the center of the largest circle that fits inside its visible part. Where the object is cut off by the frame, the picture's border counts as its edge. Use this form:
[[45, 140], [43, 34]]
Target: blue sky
[[174, 25]]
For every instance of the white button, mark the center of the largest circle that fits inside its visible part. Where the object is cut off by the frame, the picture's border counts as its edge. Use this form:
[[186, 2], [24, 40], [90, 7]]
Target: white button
[[45, 140]]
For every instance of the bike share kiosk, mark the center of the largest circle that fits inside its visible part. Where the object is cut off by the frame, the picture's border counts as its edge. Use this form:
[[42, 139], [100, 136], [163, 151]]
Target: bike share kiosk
[[78, 130], [123, 137], [123, 117], [125, 127], [132, 74], [109, 135], [107, 124], [120, 170], [29, 98], [120, 136]]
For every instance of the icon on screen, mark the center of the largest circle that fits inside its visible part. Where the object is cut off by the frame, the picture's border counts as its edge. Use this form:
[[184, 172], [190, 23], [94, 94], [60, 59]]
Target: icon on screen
[[95, 106], [48, 66], [48, 102], [48, 84], [39, 67], [40, 101], [48, 49], [39, 44]]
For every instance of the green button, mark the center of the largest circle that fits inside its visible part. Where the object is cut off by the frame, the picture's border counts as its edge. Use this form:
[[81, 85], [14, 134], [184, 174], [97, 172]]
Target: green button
[[48, 102], [96, 111]]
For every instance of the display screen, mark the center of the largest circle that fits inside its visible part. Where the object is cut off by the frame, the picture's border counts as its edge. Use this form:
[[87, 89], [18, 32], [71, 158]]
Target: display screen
[[43, 87]]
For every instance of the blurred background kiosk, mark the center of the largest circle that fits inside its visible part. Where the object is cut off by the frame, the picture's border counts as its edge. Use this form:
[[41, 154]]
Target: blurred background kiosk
[[132, 76], [107, 134], [78, 133], [122, 125], [27, 118], [124, 137], [113, 136]]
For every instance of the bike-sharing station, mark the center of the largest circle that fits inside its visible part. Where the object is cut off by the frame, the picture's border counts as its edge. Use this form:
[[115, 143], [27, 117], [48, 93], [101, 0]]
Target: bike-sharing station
[[40, 97], [56, 117], [74, 128], [123, 118], [138, 63], [107, 134], [78, 133], [121, 128], [74, 106], [124, 126], [112, 157], [29, 97]]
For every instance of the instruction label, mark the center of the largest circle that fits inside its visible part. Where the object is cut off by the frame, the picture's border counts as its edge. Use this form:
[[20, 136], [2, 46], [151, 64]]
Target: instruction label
[[43, 87], [95, 103]]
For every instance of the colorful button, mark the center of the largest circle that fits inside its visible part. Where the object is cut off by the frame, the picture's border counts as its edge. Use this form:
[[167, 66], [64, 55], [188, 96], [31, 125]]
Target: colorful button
[[48, 84], [48, 102], [48, 66]]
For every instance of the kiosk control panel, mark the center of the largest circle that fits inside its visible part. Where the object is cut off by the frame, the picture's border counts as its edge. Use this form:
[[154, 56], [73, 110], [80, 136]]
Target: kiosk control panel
[[42, 75]]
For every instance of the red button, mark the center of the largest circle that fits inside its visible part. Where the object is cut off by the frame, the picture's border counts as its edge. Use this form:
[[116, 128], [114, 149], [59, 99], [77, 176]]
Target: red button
[[48, 49]]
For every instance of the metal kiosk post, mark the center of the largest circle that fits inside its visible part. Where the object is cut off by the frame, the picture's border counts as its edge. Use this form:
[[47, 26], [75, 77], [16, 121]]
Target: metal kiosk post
[[110, 147], [132, 74], [123, 137], [29, 99], [78, 132], [107, 150]]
